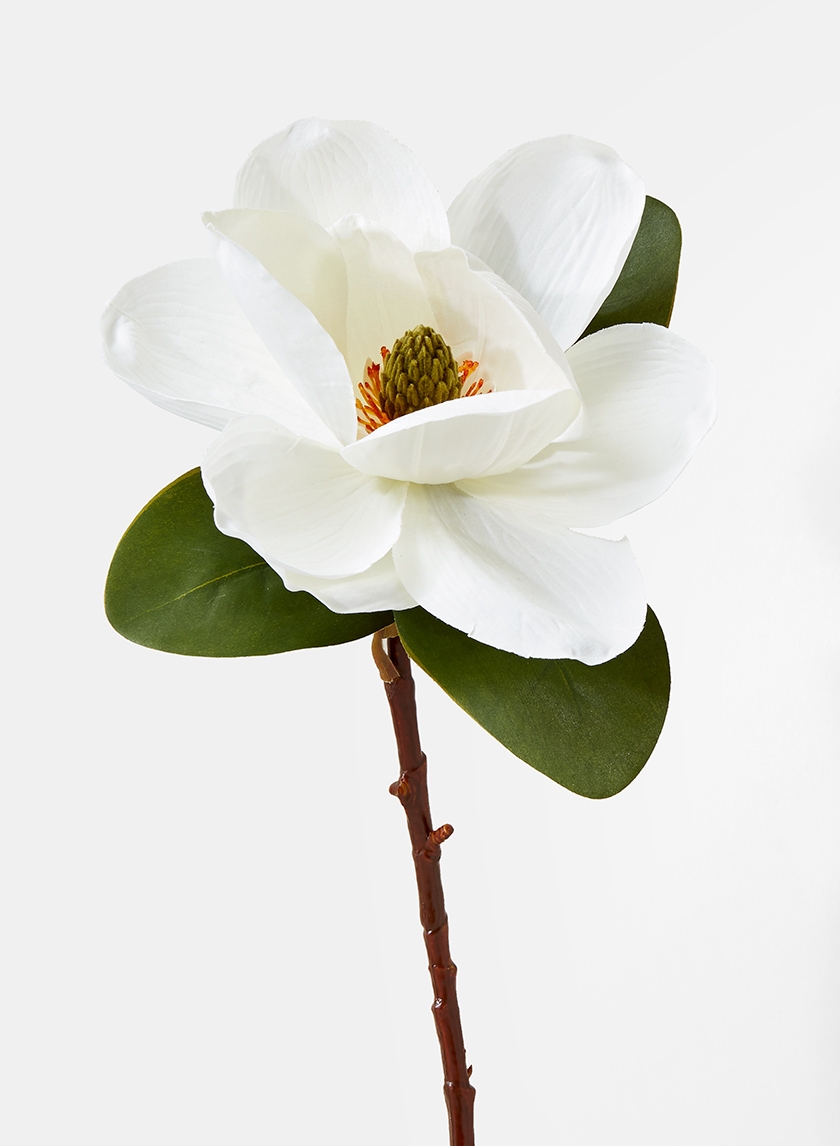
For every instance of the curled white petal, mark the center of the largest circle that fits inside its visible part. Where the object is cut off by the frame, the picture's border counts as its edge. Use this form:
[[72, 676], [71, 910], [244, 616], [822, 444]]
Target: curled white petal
[[299, 254], [482, 322], [178, 336], [466, 437], [326, 169], [513, 578], [386, 296], [306, 353], [376, 588], [297, 502], [556, 219], [648, 399], [535, 321]]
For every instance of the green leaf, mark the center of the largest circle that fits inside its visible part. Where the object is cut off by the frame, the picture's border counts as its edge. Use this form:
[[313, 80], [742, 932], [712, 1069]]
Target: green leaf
[[177, 584], [647, 284], [590, 728]]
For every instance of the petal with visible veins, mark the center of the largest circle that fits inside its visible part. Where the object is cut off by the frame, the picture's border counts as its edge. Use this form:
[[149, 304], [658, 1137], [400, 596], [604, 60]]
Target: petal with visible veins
[[297, 503], [325, 169], [556, 219], [648, 399], [511, 577], [178, 336], [305, 352], [376, 588], [466, 437]]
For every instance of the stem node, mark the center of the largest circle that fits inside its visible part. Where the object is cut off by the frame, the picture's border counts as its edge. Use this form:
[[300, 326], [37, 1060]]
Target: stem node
[[400, 788], [439, 835]]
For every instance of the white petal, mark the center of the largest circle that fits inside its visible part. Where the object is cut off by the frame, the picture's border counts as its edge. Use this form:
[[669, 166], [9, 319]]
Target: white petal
[[377, 588], [535, 321], [326, 169], [511, 577], [301, 255], [556, 219], [648, 399], [465, 437], [386, 296], [297, 503], [178, 336], [482, 322], [305, 352]]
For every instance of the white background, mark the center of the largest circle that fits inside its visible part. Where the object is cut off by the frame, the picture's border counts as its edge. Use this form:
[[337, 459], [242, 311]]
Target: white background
[[210, 936]]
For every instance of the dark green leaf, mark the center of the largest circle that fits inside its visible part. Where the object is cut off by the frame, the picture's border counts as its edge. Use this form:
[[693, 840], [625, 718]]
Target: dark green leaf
[[177, 584], [590, 728], [647, 284]]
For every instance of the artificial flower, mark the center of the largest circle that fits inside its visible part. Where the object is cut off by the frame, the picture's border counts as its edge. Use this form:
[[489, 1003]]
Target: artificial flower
[[408, 413]]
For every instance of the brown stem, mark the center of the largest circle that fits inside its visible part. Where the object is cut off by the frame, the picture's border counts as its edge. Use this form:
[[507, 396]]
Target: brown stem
[[412, 792]]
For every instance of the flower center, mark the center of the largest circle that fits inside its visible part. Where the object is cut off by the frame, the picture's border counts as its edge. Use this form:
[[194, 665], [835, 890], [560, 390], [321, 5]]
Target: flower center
[[419, 371]]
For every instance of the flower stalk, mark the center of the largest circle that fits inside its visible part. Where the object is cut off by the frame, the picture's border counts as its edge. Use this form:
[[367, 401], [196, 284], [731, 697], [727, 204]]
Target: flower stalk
[[412, 791]]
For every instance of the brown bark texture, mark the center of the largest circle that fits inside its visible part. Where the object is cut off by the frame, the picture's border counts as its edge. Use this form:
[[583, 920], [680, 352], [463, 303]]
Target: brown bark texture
[[412, 792]]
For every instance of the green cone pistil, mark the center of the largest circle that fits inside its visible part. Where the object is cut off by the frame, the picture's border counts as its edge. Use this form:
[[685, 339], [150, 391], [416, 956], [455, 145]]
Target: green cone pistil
[[419, 371]]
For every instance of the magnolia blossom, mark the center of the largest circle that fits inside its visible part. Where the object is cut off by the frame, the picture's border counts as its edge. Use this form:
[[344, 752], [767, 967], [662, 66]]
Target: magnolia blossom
[[407, 414]]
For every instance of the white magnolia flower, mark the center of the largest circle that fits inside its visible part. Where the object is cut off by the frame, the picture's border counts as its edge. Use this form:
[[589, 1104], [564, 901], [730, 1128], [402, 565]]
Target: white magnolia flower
[[453, 471]]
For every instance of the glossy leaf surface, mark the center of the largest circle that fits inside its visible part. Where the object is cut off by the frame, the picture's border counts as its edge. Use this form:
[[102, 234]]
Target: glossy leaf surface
[[647, 284], [590, 728], [177, 584]]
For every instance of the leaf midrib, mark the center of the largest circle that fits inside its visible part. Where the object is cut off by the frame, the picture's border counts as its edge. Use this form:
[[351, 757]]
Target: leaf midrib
[[196, 589]]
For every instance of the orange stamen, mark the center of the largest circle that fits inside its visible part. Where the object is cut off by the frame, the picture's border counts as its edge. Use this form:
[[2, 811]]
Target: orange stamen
[[466, 368], [371, 414], [474, 388]]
